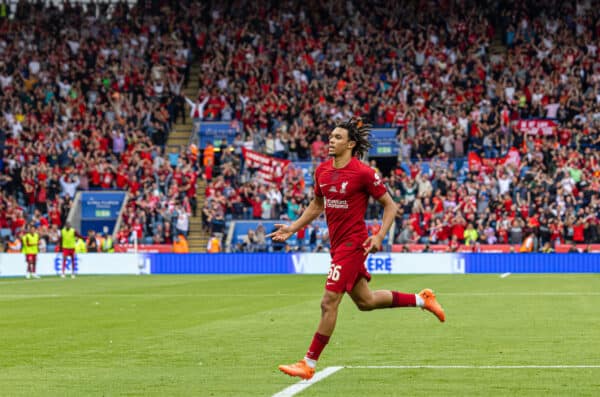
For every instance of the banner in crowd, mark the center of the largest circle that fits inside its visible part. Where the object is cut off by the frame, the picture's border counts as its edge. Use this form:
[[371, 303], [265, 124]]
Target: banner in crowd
[[476, 163], [490, 248], [383, 143], [146, 248], [537, 127], [268, 169], [217, 132]]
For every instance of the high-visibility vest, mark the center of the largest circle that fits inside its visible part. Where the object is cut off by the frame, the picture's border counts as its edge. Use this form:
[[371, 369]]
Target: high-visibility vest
[[30, 243], [14, 246], [527, 245], [80, 246], [180, 245], [107, 245], [214, 245], [68, 238]]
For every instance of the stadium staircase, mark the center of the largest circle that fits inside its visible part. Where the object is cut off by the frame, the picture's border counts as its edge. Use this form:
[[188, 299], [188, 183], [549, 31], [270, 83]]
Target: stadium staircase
[[198, 238], [180, 137], [497, 47]]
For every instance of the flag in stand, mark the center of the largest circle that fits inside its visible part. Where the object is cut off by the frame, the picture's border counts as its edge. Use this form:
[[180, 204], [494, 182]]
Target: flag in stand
[[269, 169]]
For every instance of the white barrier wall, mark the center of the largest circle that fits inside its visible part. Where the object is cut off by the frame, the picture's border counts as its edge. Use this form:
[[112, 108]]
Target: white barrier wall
[[13, 265], [386, 263]]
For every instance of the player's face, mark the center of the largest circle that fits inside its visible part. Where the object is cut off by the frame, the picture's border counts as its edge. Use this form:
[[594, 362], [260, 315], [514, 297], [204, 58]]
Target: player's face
[[339, 142]]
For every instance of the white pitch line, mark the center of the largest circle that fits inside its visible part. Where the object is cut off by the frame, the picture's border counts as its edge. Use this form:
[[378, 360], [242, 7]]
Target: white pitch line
[[504, 275], [304, 384], [29, 296], [471, 366]]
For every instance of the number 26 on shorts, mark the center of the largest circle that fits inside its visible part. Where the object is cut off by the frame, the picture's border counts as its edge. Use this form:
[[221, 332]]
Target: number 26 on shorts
[[334, 272]]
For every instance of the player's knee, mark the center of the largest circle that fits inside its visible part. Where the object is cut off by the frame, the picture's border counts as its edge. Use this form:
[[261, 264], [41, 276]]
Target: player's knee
[[328, 305], [365, 305]]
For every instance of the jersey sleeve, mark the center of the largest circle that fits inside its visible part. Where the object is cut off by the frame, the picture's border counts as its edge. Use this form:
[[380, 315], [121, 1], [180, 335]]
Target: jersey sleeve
[[316, 186], [374, 184]]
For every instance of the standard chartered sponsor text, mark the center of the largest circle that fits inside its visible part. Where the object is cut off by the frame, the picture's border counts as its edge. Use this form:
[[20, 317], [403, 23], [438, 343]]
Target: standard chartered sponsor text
[[336, 204]]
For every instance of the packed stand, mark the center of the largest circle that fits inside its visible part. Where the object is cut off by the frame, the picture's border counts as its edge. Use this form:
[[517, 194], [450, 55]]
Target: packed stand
[[294, 70], [88, 95]]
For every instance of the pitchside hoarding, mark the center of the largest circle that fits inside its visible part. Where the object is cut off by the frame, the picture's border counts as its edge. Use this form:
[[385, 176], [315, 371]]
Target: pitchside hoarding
[[13, 265]]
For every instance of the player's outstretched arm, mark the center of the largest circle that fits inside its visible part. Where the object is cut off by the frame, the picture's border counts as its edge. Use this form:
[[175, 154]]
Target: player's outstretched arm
[[312, 212]]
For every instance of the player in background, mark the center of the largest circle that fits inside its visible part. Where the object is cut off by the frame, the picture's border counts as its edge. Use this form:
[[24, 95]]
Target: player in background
[[68, 239], [31, 241], [342, 186]]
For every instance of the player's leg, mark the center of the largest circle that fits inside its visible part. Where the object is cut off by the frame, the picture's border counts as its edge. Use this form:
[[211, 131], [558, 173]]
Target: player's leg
[[34, 267], [28, 262], [72, 264], [64, 262], [366, 300], [329, 310]]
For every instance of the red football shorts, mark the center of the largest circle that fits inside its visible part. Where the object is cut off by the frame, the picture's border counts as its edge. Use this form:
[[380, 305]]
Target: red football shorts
[[30, 258], [68, 252], [347, 267]]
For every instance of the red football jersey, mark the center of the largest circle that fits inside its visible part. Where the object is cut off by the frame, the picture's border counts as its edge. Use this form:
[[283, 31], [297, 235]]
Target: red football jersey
[[346, 193]]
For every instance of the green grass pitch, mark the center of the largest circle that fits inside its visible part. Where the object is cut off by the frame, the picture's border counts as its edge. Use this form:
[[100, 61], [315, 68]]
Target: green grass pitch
[[225, 336]]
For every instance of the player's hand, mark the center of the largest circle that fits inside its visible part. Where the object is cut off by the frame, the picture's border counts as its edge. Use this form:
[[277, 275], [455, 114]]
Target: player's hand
[[282, 232], [372, 244]]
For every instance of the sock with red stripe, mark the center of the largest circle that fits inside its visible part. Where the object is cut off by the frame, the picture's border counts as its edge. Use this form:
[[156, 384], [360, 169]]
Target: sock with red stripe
[[316, 347], [403, 300]]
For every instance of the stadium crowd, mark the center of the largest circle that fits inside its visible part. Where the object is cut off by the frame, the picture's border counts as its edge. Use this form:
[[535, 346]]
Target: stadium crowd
[[88, 103], [292, 74], [88, 95]]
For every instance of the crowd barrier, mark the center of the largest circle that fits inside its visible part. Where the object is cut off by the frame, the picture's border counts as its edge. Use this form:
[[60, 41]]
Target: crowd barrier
[[13, 265]]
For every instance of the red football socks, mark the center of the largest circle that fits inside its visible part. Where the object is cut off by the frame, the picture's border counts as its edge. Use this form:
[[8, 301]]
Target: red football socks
[[403, 300], [317, 345]]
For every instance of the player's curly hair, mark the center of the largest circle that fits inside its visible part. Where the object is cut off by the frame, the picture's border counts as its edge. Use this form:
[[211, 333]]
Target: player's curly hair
[[359, 132]]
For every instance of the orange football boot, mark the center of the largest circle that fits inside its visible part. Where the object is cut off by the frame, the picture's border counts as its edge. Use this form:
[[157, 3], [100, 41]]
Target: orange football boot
[[432, 305], [300, 369]]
